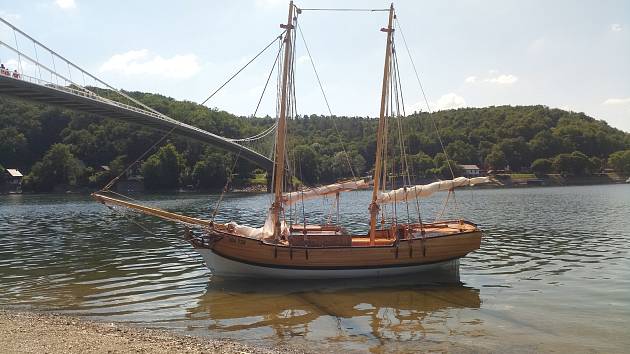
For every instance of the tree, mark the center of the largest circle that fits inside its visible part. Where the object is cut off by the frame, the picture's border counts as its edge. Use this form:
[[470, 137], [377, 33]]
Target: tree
[[13, 144], [545, 144], [211, 171], [163, 169], [596, 165], [620, 161], [496, 159], [575, 163], [516, 152], [420, 164], [58, 167], [340, 167], [307, 164], [541, 167], [462, 152]]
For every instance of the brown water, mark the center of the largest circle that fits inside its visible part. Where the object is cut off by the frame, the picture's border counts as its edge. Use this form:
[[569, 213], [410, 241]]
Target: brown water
[[552, 275]]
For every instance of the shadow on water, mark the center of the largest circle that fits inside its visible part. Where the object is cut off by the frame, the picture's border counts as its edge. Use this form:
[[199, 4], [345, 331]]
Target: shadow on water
[[358, 310]]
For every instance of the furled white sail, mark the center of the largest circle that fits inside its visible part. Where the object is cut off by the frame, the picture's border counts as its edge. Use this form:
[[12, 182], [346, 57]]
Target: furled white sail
[[425, 190], [262, 232], [294, 197]]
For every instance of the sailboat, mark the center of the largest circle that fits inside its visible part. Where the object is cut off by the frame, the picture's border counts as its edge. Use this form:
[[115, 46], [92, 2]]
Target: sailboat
[[283, 249]]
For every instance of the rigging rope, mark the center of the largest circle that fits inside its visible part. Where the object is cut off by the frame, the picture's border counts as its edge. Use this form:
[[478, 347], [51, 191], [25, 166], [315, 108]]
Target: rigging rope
[[321, 88], [225, 187], [435, 127], [426, 101], [268, 78], [111, 183], [279, 37]]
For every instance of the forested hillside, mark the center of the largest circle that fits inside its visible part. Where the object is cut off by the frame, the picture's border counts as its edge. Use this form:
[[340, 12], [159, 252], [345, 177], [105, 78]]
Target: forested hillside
[[55, 146]]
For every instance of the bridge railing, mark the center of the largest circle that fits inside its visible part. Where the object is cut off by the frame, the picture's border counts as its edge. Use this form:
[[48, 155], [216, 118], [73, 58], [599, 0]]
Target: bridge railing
[[40, 65], [32, 59]]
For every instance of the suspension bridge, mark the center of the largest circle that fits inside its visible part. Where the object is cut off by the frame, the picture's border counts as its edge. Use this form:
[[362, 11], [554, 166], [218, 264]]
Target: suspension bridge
[[41, 75]]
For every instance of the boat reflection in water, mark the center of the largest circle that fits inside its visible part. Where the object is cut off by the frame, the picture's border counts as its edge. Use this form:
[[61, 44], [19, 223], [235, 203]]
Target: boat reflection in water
[[401, 308]]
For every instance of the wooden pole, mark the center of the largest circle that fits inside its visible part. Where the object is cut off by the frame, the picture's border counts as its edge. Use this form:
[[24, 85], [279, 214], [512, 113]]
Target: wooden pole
[[374, 208], [279, 166]]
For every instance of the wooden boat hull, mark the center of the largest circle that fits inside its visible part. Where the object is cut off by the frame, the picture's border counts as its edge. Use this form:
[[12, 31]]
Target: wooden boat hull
[[225, 267], [231, 255]]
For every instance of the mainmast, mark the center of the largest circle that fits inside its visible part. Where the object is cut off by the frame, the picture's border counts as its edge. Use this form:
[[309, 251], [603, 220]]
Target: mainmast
[[374, 208], [279, 165]]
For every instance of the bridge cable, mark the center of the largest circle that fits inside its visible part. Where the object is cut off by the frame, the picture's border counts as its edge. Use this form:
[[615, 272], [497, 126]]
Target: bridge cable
[[246, 65], [271, 128], [18, 48], [53, 54]]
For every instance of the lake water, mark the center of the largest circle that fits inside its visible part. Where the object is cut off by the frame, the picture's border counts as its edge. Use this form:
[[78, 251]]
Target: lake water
[[552, 274]]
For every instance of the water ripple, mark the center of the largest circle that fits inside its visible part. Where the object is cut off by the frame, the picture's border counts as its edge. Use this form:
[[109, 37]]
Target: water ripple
[[70, 254]]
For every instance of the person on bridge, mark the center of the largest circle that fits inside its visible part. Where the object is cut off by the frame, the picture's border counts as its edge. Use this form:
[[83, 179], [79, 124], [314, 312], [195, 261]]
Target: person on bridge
[[4, 70], [16, 74]]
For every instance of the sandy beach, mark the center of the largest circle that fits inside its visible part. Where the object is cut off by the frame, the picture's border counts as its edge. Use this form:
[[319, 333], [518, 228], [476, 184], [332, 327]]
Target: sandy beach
[[28, 332]]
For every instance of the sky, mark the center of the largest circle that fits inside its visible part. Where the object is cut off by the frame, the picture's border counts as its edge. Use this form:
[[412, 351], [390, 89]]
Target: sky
[[573, 55]]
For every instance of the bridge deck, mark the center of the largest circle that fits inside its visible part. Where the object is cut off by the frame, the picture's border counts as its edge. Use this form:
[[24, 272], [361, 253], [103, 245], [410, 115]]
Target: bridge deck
[[65, 97]]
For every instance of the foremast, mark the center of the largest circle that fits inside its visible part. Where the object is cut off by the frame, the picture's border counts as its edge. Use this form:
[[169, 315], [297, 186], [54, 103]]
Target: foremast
[[279, 163], [374, 207]]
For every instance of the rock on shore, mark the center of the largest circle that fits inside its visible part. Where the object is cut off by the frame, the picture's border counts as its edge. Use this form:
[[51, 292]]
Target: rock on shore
[[25, 332]]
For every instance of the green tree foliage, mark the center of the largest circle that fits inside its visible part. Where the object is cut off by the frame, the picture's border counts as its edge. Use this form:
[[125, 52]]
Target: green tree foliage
[[492, 137], [575, 163], [58, 167], [620, 161], [496, 159], [541, 167], [211, 171], [307, 164], [163, 170], [420, 165], [462, 152], [516, 152], [13, 145]]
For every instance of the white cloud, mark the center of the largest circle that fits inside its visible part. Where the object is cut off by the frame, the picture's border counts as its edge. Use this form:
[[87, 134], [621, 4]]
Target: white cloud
[[449, 101], [66, 4], [615, 27], [142, 62], [617, 101], [502, 79]]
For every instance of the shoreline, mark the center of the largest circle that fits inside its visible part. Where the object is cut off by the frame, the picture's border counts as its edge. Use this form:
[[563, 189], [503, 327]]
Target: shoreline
[[44, 332], [516, 183]]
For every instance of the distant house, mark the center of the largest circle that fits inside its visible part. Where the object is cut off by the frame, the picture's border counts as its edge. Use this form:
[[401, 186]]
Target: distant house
[[471, 170], [12, 181]]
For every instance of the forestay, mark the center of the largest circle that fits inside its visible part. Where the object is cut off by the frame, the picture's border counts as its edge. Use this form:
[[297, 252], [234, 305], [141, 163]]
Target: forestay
[[425, 190]]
